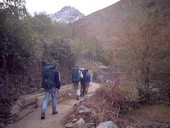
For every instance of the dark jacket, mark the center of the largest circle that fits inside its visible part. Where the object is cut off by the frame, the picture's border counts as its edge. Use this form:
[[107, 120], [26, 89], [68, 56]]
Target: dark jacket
[[86, 77]]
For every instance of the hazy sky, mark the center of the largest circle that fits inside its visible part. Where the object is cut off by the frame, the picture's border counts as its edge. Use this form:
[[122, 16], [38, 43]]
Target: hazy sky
[[52, 6]]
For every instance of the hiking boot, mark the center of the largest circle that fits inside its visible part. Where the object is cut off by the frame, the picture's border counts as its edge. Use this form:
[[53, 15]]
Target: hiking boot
[[54, 113], [77, 97], [42, 116]]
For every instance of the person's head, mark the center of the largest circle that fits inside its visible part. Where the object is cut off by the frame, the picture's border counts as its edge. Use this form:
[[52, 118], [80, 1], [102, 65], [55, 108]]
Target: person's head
[[43, 63], [76, 66]]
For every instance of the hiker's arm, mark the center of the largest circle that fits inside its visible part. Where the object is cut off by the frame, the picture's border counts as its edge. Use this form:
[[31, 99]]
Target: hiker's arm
[[57, 80]]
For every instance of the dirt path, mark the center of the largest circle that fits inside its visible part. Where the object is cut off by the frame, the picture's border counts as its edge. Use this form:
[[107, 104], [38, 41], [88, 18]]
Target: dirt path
[[51, 121]]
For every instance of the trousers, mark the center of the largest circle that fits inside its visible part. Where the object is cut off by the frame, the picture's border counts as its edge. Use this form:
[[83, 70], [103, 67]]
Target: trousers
[[47, 94]]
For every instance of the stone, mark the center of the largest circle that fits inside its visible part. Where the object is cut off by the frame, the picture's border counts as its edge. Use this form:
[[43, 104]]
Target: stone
[[15, 109], [70, 94], [107, 124], [90, 125], [74, 120], [70, 125], [80, 123], [82, 109]]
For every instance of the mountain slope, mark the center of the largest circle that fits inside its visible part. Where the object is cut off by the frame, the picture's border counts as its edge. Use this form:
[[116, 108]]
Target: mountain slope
[[105, 25], [67, 15]]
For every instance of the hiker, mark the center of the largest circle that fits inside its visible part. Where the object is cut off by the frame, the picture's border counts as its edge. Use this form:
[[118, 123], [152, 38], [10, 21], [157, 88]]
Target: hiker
[[82, 82], [86, 82], [76, 76], [51, 82]]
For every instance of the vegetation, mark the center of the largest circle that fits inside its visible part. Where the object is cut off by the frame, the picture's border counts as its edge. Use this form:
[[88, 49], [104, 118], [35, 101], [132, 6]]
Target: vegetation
[[141, 55], [145, 44], [142, 48], [25, 42]]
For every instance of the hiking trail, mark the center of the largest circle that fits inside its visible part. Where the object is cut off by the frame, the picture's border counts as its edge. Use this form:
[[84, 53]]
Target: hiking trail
[[51, 121]]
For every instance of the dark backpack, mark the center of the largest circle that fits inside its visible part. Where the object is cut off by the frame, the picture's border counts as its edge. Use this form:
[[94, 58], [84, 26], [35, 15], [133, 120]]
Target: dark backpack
[[86, 76], [48, 73], [75, 75]]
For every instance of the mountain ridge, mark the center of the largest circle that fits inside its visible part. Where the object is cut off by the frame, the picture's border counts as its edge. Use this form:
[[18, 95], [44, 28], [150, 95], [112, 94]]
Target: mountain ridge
[[67, 15]]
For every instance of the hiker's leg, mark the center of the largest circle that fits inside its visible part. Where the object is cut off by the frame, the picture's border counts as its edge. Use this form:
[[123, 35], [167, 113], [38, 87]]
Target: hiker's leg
[[87, 87], [54, 101], [84, 88], [78, 88], [75, 87], [81, 91], [45, 102]]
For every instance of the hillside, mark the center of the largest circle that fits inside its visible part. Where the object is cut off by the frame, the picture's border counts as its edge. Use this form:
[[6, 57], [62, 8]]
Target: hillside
[[105, 25]]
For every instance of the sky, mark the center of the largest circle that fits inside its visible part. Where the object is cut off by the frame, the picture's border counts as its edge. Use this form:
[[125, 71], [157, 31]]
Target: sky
[[51, 6]]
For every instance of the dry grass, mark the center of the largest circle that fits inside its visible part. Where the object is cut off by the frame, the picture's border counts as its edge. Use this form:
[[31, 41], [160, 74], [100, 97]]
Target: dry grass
[[106, 104]]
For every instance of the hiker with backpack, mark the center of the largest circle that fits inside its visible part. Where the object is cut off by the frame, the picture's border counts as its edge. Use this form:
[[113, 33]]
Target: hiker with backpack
[[76, 77], [51, 82], [82, 82], [85, 81]]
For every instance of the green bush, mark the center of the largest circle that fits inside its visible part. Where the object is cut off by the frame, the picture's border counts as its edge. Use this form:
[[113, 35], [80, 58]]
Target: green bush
[[16, 43]]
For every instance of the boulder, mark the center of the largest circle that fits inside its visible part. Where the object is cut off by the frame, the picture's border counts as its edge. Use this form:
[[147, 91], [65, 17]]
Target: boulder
[[80, 123], [107, 124]]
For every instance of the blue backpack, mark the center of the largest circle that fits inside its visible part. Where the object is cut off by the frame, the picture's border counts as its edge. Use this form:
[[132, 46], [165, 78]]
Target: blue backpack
[[75, 75], [48, 72]]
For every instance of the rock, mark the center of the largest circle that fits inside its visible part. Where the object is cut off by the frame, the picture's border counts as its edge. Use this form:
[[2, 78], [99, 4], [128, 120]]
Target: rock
[[70, 125], [74, 120], [107, 124], [81, 123], [82, 109], [90, 125], [70, 94], [15, 109]]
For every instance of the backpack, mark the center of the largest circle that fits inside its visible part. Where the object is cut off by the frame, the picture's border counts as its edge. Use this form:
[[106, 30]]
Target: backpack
[[86, 76], [48, 72], [75, 75]]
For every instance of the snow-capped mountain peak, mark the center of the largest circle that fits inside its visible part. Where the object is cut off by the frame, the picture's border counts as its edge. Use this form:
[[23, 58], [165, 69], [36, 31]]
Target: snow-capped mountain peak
[[67, 15]]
